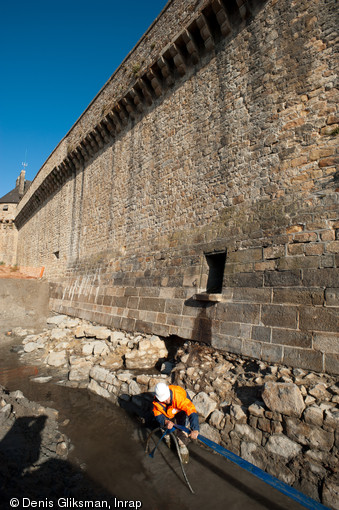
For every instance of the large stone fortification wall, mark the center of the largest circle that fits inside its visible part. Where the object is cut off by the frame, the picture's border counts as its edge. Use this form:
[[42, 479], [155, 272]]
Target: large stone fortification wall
[[8, 234], [217, 135]]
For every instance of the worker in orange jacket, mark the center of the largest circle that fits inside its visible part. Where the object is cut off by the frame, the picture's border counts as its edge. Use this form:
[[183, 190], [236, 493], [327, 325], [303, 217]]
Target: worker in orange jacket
[[173, 403]]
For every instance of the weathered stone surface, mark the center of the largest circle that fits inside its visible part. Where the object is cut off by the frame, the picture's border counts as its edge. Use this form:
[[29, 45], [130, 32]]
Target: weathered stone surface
[[57, 319], [204, 404], [309, 435], [99, 390], [284, 398], [147, 354], [248, 433], [319, 392], [209, 432], [32, 346], [112, 362], [99, 373], [57, 359], [314, 415], [117, 336], [281, 445], [257, 409], [100, 348], [238, 413], [330, 493], [97, 332], [87, 348], [134, 388], [216, 419], [30, 339], [59, 334], [80, 372]]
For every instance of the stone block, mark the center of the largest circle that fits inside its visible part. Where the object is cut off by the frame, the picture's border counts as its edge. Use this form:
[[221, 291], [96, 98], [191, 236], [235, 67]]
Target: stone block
[[291, 337], [303, 358], [298, 296], [309, 435], [282, 278], [128, 324], [261, 333], [244, 256], [332, 363], [272, 353], [327, 277], [227, 343], [283, 446], [247, 433], [332, 297], [284, 398], [204, 404], [152, 304], [238, 312], [274, 252], [244, 280], [294, 263], [174, 306], [279, 316], [253, 295], [251, 349], [314, 415], [319, 319], [326, 342], [235, 329]]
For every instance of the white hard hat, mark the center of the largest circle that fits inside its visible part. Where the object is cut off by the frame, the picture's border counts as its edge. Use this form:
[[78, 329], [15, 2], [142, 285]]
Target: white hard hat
[[162, 392]]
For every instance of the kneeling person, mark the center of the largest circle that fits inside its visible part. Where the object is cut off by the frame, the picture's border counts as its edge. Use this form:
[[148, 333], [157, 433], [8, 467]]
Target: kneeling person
[[173, 403]]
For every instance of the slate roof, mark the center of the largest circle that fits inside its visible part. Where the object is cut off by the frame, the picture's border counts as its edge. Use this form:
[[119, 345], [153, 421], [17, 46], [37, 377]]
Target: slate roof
[[13, 196]]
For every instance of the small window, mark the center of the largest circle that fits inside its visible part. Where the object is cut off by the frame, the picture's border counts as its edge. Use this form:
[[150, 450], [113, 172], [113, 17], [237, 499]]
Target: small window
[[216, 263], [57, 254], [5, 208]]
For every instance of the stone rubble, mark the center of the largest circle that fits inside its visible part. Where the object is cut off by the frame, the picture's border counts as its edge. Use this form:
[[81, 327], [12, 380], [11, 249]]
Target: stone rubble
[[283, 420]]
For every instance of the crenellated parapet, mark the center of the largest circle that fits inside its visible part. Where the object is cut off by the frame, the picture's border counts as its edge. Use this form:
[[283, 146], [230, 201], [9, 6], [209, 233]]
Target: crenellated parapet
[[213, 21]]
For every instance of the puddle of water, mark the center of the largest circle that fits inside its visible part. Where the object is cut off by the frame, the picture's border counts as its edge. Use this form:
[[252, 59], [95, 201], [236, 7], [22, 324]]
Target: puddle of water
[[111, 446]]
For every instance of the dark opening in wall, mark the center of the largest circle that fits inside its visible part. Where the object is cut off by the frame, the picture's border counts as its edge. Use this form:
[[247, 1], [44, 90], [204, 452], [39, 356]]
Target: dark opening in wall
[[216, 263], [57, 254], [5, 208]]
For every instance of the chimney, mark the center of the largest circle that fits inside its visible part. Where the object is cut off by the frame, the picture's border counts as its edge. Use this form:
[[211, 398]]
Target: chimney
[[21, 180]]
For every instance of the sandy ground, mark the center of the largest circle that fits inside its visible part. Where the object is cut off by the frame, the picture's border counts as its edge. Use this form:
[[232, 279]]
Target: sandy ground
[[14, 272]]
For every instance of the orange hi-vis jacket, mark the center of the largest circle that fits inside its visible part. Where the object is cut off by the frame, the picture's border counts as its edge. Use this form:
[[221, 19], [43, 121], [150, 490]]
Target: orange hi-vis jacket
[[179, 402]]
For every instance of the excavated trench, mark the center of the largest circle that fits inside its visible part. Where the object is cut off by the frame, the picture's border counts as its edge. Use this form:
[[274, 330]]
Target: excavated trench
[[107, 454]]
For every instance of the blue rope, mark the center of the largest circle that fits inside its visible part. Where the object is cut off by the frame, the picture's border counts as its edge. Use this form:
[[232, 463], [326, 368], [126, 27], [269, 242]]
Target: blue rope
[[162, 437], [259, 473]]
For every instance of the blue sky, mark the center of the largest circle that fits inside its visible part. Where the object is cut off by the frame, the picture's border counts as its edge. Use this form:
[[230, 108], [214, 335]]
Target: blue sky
[[55, 55]]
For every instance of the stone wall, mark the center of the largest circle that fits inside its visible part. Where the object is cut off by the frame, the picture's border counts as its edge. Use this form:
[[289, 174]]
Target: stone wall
[[217, 134], [283, 420], [8, 233]]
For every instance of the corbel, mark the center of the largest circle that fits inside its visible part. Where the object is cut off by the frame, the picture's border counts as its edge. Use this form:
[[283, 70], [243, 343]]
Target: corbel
[[243, 9], [98, 136], [120, 110], [191, 46], [137, 99], [129, 105], [155, 82], [205, 32], [222, 18], [165, 71], [178, 59], [146, 91]]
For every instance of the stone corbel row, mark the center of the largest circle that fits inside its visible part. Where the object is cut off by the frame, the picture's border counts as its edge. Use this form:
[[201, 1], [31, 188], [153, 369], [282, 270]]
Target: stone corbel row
[[211, 23], [175, 59]]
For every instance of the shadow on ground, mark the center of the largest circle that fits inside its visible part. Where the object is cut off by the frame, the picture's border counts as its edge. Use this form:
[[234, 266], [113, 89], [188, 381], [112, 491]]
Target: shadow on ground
[[25, 474]]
